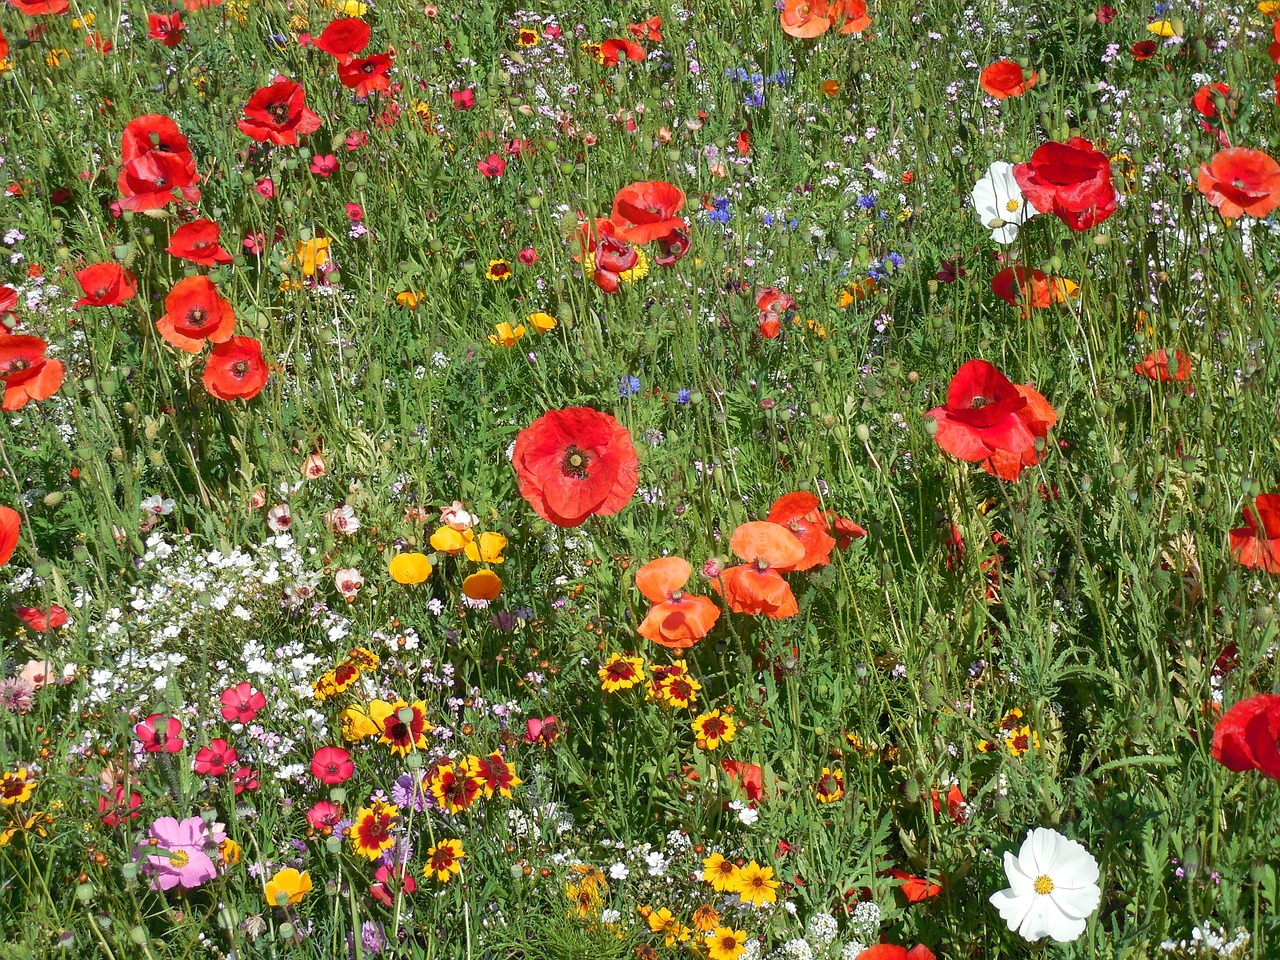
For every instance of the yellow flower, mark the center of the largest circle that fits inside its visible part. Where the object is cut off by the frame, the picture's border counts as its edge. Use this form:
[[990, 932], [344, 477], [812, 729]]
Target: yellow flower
[[1022, 740], [755, 884], [16, 787], [56, 56], [289, 882], [421, 109], [364, 659], [620, 673], [677, 933], [584, 898], [298, 23], [725, 943], [830, 786], [678, 689], [498, 271], [451, 541], [229, 850], [482, 585], [527, 37], [722, 874], [541, 322], [660, 920], [349, 8], [313, 255], [410, 299], [705, 919], [409, 568], [79, 24], [503, 335], [403, 726], [639, 271], [444, 860], [488, 548], [713, 729], [1162, 28], [1269, 8], [356, 725]]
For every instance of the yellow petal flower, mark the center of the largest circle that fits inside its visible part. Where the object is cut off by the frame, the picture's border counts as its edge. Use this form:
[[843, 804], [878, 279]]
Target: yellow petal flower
[[542, 322], [451, 541], [482, 585], [409, 568], [487, 549]]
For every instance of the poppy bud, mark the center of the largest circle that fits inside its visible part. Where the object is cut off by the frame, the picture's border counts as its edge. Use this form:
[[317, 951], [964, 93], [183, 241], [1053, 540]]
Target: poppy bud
[[285, 930]]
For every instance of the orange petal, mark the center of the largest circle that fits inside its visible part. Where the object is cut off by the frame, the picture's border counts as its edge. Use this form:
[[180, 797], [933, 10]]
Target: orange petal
[[660, 578], [761, 540]]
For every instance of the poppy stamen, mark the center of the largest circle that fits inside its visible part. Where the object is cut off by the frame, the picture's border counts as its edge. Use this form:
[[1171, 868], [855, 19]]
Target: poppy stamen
[[575, 463]]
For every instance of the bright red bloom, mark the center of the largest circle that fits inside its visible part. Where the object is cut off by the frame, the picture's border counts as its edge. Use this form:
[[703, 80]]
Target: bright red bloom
[[42, 620], [676, 620], [215, 759], [198, 241], [366, 75], [463, 99], [1143, 49], [957, 809], [37, 8], [387, 881], [1256, 545], [748, 775], [114, 809], [773, 305], [1072, 180], [801, 513], [990, 421], [612, 51], [26, 373], [1239, 181], [915, 888], [1155, 366], [1247, 737], [545, 731], [332, 765], [159, 734], [1028, 289], [575, 463], [168, 28], [241, 703], [650, 29], [245, 778], [1203, 99], [105, 285], [646, 210], [236, 370], [757, 586], [194, 313], [890, 951], [492, 166], [324, 816], [1004, 79], [278, 114], [342, 39], [10, 525], [156, 161], [8, 295], [848, 530]]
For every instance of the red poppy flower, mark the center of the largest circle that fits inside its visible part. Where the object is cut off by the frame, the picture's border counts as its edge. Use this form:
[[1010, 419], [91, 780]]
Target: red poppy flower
[[613, 257], [748, 775], [241, 703], [42, 620], [194, 313], [805, 19], [37, 8], [366, 74], [1273, 50], [156, 161], [26, 373], [650, 29], [612, 51], [847, 530], [990, 421], [1072, 179], [1239, 181], [332, 766], [1203, 99], [646, 210], [757, 586], [575, 463], [676, 620], [278, 114], [152, 133], [198, 241], [236, 369], [245, 778], [854, 14], [1029, 289], [114, 809], [1143, 49], [1256, 545], [344, 38], [1004, 79], [168, 28], [215, 759], [158, 734], [801, 513], [8, 295], [105, 285], [915, 888], [10, 525], [672, 248], [1247, 737], [1155, 366], [890, 951]]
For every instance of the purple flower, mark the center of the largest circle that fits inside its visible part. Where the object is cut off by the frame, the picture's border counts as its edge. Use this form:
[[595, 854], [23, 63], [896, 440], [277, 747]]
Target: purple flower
[[180, 860]]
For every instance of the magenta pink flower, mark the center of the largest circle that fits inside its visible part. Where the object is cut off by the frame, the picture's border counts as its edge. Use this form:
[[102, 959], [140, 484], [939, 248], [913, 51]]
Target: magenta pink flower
[[159, 734], [214, 759], [463, 99], [177, 857], [325, 165], [492, 166], [332, 765], [241, 703], [544, 731]]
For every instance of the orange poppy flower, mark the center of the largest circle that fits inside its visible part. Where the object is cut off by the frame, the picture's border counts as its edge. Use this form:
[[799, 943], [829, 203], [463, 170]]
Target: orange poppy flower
[[1155, 366], [676, 620], [647, 210], [10, 524], [855, 16], [915, 888], [1004, 79], [1256, 545], [105, 285], [194, 312], [757, 586], [27, 374], [805, 19], [749, 775], [612, 51], [199, 242], [801, 513], [1239, 181], [236, 369]]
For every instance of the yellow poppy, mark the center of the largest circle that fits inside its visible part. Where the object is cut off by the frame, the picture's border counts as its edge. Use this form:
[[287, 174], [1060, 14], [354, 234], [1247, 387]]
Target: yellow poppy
[[487, 549], [541, 322], [482, 585], [1163, 28], [451, 541], [503, 335], [313, 255], [409, 568], [294, 885]]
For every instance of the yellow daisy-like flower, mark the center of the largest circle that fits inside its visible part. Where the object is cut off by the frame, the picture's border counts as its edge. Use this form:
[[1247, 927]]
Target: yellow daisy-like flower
[[639, 271], [830, 786], [349, 8], [402, 726], [487, 548], [541, 322], [1269, 8], [755, 884], [679, 690], [660, 920], [16, 786], [371, 832], [677, 933], [444, 860], [498, 271], [713, 729], [527, 38], [620, 673], [364, 658], [56, 56], [705, 918], [722, 874], [584, 899], [725, 943], [313, 254], [1022, 740], [88, 21], [504, 335]]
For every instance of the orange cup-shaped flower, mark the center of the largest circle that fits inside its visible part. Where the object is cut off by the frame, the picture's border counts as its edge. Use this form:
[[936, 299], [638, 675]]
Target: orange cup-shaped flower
[[287, 887], [677, 620], [757, 586], [26, 374], [10, 524], [1005, 78], [805, 19], [409, 568], [1239, 181], [482, 585], [801, 513], [194, 313]]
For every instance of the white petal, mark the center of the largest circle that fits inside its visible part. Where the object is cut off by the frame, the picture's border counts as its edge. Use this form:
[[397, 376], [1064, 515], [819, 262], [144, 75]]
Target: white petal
[[1040, 920], [1037, 853], [1013, 908], [1022, 884], [1078, 902], [1006, 234], [1062, 928]]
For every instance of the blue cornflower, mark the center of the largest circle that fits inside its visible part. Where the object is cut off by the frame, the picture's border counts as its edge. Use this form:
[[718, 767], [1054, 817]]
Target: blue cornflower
[[867, 201], [896, 260], [683, 395], [755, 99], [768, 219], [628, 386], [720, 213], [793, 224]]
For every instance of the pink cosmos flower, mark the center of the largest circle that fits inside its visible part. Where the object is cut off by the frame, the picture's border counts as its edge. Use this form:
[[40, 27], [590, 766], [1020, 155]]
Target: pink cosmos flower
[[179, 859]]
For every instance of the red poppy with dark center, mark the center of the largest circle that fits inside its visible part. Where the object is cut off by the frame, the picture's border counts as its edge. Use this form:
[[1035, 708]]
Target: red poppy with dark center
[[245, 778], [1239, 181], [613, 257], [672, 248], [650, 29], [215, 759], [26, 373], [747, 775], [915, 888], [1143, 49], [613, 51], [332, 765], [152, 133], [344, 38], [198, 241], [39, 8], [773, 305], [156, 160], [105, 285], [757, 586], [990, 421], [1203, 100], [806, 19], [676, 620], [194, 313], [241, 703], [8, 302], [1156, 366], [1256, 545], [236, 370], [42, 620], [851, 15], [1005, 78], [278, 114], [891, 951], [801, 513], [367, 74], [1072, 180], [646, 210], [575, 463], [10, 525], [168, 28], [1247, 737]]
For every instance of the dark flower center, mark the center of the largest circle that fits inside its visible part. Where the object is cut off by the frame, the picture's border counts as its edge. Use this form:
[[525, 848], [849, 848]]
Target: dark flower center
[[977, 403], [240, 369], [576, 462], [279, 111], [197, 316]]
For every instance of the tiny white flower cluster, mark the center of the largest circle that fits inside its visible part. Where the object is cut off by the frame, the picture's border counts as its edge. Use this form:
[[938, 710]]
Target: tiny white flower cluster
[[1205, 941]]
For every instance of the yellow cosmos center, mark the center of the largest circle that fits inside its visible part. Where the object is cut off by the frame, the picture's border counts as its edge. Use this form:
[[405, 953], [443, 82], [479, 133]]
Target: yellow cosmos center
[[179, 858], [1044, 885], [1012, 206]]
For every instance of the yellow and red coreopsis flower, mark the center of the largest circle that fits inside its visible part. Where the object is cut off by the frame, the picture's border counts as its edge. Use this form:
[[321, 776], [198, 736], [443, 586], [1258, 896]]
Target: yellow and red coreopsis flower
[[713, 729], [444, 860], [16, 786], [454, 787], [677, 688], [830, 786], [402, 725], [620, 673], [494, 772], [371, 832]]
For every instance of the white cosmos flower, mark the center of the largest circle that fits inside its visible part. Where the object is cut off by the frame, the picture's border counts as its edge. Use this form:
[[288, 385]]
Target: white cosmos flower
[[1053, 887], [998, 199]]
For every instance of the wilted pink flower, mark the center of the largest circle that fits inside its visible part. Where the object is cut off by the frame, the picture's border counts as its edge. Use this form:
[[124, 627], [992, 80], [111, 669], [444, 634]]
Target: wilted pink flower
[[280, 518], [348, 581], [342, 519]]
